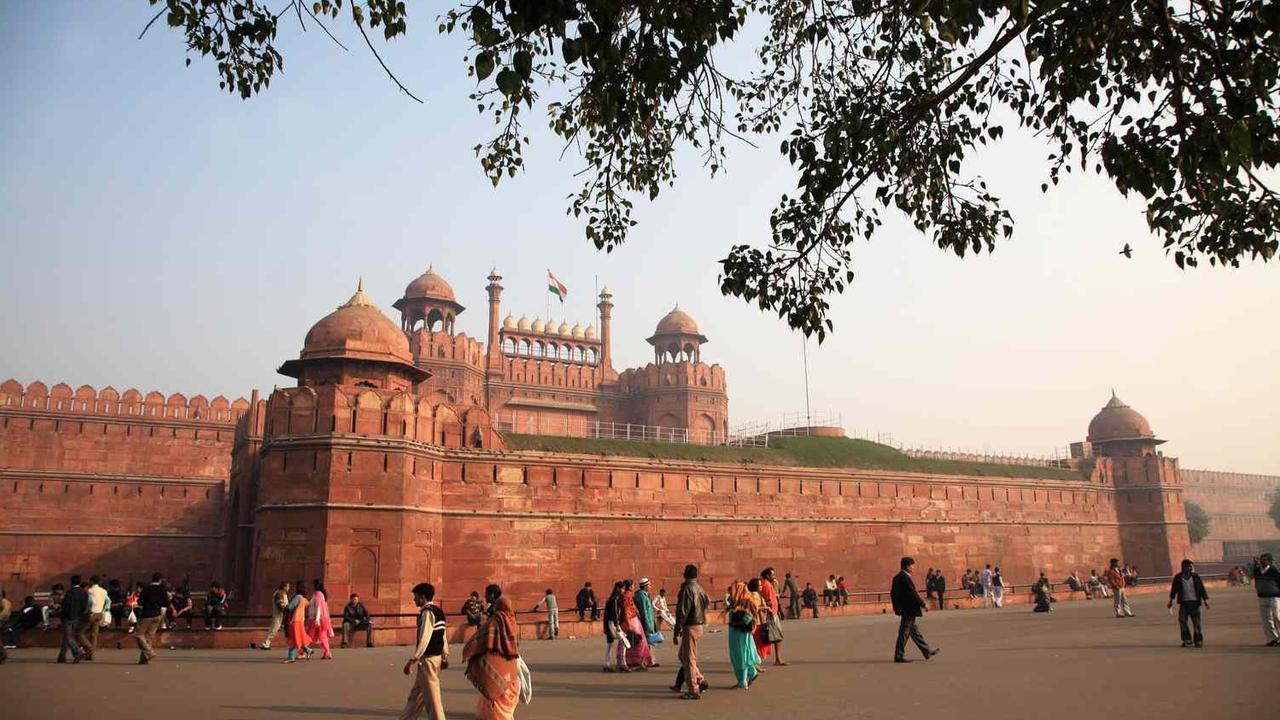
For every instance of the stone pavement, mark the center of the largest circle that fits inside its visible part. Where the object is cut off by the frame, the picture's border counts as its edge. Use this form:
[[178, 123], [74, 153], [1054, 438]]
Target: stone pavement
[[1076, 662]]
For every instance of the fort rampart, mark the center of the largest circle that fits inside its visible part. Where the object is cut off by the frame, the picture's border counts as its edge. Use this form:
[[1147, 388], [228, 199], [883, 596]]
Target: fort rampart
[[120, 483]]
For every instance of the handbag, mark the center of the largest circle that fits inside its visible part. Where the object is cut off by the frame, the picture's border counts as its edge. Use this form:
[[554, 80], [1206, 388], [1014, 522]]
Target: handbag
[[655, 638], [741, 620], [106, 619], [772, 630]]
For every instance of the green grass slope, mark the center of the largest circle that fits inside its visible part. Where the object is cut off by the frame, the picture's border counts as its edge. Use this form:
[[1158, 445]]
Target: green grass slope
[[822, 452]]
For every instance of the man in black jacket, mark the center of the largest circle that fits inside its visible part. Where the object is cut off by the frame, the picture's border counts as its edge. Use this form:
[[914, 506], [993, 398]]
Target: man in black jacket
[[356, 617], [587, 600], [908, 605], [1189, 591], [151, 603], [74, 614]]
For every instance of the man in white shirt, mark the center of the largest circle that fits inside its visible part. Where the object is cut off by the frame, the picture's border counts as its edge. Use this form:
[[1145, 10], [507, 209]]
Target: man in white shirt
[[98, 602], [988, 595]]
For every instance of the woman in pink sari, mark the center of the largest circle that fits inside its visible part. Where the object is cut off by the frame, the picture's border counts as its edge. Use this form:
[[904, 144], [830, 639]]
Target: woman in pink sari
[[639, 655], [319, 624], [492, 658]]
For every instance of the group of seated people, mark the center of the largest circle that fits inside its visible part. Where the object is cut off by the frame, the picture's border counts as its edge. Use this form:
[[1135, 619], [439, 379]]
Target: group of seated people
[[123, 609]]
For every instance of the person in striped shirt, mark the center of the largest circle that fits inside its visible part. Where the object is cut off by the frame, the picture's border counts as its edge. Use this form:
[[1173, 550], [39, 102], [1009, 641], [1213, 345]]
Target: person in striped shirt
[[430, 655]]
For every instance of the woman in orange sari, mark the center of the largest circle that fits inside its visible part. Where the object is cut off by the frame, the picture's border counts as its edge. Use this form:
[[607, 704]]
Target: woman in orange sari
[[491, 657], [296, 612]]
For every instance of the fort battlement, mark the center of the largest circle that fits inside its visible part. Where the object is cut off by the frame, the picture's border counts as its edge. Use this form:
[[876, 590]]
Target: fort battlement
[[131, 404], [682, 375]]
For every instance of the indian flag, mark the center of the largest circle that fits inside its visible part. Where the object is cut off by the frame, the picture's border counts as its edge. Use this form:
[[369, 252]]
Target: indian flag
[[555, 287]]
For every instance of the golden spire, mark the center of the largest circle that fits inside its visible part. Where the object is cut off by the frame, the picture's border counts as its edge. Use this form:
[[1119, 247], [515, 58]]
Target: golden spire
[[361, 298]]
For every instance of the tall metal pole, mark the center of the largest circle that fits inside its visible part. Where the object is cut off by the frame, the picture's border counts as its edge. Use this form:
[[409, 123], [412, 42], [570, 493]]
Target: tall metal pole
[[804, 352]]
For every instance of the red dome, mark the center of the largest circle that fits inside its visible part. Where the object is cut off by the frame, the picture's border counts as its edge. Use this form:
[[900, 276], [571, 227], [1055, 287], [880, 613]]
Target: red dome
[[431, 286], [357, 330], [677, 322], [1117, 421]]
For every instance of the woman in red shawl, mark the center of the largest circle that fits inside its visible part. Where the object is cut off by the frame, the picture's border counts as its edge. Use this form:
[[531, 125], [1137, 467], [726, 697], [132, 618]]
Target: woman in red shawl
[[491, 657], [639, 655]]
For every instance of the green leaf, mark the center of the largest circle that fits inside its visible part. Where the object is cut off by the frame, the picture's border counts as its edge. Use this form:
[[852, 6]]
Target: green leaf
[[484, 65], [508, 82]]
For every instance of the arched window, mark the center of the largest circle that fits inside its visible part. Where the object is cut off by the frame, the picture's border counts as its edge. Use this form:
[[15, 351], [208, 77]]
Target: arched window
[[509, 346], [523, 347], [577, 354], [590, 356]]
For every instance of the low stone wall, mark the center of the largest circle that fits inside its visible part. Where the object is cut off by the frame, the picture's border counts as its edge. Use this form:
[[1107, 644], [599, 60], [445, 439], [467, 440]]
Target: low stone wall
[[403, 633]]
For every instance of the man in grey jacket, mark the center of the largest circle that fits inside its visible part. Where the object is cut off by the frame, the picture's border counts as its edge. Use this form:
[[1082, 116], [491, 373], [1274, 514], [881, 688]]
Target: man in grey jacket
[[691, 616]]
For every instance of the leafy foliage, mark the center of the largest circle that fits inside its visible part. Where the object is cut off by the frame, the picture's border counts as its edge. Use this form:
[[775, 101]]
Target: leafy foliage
[[879, 104], [1197, 522]]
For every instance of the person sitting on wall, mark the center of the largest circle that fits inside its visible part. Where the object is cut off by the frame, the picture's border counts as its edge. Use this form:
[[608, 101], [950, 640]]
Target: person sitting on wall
[[1096, 586], [473, 609], [1043, 592], [28, 617], [587, 599], [829, 592], [180, 606], [810, 598], [51, 613], [116, 596], [215, 606], [356, 617], [842, 591], [1073, 582]]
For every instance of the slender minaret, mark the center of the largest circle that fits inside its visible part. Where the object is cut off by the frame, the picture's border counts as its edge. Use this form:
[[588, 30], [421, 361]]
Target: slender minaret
[[493, 353], [606, 342]]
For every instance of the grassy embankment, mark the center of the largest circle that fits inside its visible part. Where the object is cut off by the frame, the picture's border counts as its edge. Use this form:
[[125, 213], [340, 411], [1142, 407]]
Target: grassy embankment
[[820, 452]]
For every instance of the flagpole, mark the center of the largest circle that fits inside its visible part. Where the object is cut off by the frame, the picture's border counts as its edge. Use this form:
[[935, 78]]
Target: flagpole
[[547, 317]]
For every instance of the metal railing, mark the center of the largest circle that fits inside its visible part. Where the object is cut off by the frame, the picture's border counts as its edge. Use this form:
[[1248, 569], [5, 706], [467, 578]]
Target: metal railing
[[563, 426]]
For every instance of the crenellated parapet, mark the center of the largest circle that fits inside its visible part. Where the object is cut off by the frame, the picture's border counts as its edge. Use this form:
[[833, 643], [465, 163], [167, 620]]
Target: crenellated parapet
[[85, 400], [329, 410], [437, 346], [682, 374]]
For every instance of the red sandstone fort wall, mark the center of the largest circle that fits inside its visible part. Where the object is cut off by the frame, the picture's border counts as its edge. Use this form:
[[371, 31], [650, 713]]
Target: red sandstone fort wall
[[529, 522], [99, 481], [1237, 507]]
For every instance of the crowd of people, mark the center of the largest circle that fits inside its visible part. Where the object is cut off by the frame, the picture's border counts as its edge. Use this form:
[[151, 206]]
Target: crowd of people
[[632, 620]]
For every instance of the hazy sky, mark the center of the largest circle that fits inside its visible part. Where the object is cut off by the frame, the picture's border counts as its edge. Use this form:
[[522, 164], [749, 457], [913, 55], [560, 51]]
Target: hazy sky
[[161, 234]]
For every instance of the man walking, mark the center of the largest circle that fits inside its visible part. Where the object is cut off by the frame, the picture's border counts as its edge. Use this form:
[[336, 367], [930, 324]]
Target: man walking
[[279, 601], [1189, 591], [792, 589], [984, 580], [1266, 582], [431, 653], [73, 613], [908, 605], [152, 602], [98, 603], [356, 617], [1116, 579], [691, 616]]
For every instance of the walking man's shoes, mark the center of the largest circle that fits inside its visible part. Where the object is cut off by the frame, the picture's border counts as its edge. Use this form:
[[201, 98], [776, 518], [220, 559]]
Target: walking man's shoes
[[901, 660]]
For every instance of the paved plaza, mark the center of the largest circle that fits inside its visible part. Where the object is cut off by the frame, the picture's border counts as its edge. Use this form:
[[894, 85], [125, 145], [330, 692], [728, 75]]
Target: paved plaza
[[1078, 662]]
